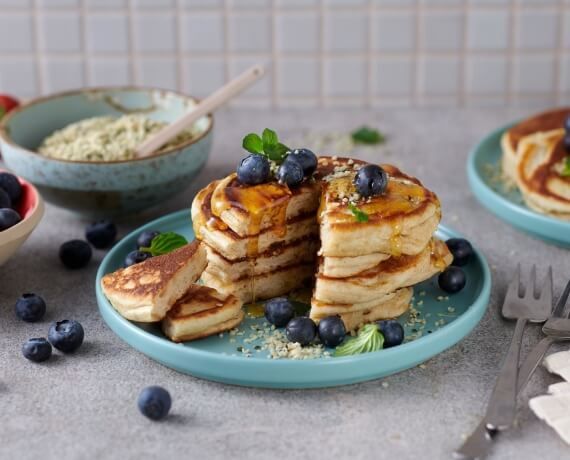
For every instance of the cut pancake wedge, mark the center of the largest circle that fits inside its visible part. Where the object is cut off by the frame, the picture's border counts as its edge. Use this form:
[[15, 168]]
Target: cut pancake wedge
[[388, 276], [146, 291], [264, 286], [202, 312], [354, 315]]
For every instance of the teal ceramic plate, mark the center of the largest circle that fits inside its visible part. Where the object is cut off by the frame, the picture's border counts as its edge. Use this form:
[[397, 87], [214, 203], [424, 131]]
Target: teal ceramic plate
[[483, 171], [225, 358]]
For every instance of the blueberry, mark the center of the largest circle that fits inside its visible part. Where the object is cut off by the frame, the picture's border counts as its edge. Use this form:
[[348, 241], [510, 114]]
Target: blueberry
[[452, 280], [306, 158], [144, 240], [301, 329], [253, 170], [135, 257], [566, 142], [8, 218], [290, 172], [332, 331], [5, 201], [66, 335], [567, 124], [279, 311], [37, 349], [75, 254], [371, 180], [30, 308], [461, 250], [154, 402], [392, 331], [11, 185], [101, 234]]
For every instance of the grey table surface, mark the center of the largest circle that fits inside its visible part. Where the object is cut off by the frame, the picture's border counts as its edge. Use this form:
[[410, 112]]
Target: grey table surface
[[84, 405]]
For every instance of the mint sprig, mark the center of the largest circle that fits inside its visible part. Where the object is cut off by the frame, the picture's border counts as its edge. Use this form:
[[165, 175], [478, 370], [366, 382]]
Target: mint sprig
[[267, 145], [366, 135], [360, 215], [165, 243], [369, 339], [566, 170]]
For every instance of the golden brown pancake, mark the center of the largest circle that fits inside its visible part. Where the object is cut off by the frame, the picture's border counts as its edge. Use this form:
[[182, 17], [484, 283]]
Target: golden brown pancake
[[541, 160], [539, 123], [201, 312], [146, 291]]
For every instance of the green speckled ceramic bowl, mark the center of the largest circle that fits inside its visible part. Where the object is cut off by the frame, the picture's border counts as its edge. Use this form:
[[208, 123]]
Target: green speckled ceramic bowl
[[103, 188]]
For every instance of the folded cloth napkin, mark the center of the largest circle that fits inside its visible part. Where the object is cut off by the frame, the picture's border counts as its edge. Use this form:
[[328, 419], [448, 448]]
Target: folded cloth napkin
[[554, 408]]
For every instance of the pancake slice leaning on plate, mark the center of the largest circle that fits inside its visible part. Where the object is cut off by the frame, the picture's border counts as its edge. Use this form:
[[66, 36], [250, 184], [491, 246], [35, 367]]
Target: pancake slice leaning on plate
[[201, 312], [146, 291], [541, 173]]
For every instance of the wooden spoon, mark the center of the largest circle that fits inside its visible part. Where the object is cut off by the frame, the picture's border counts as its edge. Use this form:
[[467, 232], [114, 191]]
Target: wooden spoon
[[211, 103]]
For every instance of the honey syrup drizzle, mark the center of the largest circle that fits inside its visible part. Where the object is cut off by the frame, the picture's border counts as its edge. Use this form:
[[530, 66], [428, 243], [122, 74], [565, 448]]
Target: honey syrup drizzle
[[437, 258], [259, 202]]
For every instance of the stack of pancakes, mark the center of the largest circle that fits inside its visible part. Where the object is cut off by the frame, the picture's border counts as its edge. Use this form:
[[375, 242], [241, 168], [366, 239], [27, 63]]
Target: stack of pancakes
[[265, 240], [162, 289], [534, 157], [368, 265], [261, 240]]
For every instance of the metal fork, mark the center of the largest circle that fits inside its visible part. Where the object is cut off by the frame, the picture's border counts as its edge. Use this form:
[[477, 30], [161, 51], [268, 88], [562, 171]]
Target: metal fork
[[557, 328], [501, 408]]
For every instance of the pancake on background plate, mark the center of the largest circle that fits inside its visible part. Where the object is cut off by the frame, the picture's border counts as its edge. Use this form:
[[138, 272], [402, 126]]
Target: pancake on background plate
[[539, 123]]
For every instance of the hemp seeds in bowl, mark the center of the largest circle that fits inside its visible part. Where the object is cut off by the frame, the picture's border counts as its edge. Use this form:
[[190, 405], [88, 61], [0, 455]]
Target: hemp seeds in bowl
[[78, 147]]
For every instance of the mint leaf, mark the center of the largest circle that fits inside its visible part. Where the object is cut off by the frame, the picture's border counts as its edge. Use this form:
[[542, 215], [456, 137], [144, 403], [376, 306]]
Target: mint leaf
[[2, 111], [369, 339], [366, 135], [165, 243], [269, 138], [276, 152], [360, 215], [566, 171], [253, 143]]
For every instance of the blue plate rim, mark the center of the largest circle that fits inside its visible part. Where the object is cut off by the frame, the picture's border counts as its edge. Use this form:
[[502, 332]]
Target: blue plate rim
[[479, 187], [467, 320]]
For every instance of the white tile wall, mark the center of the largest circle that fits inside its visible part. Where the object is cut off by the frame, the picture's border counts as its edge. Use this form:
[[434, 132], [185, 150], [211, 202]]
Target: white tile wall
[[377, 53]]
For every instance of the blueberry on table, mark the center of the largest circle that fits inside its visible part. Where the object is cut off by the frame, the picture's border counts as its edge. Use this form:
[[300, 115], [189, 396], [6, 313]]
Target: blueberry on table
[[290, 172], [37, 349], [452, 280], [101, 234], [30, 307], [154, 402], [5, 201], [253, 170], [371, 180], [392, 331], [8, 218], [75, 254], [11, 185], [461, 250], [144, 240], [66, 335], [279, 311], [135, 257], [302, 330], [332, 331], [306, 158]]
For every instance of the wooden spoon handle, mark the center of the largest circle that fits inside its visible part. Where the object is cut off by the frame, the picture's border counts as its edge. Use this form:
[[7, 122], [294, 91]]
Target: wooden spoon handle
[[211, 103]]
